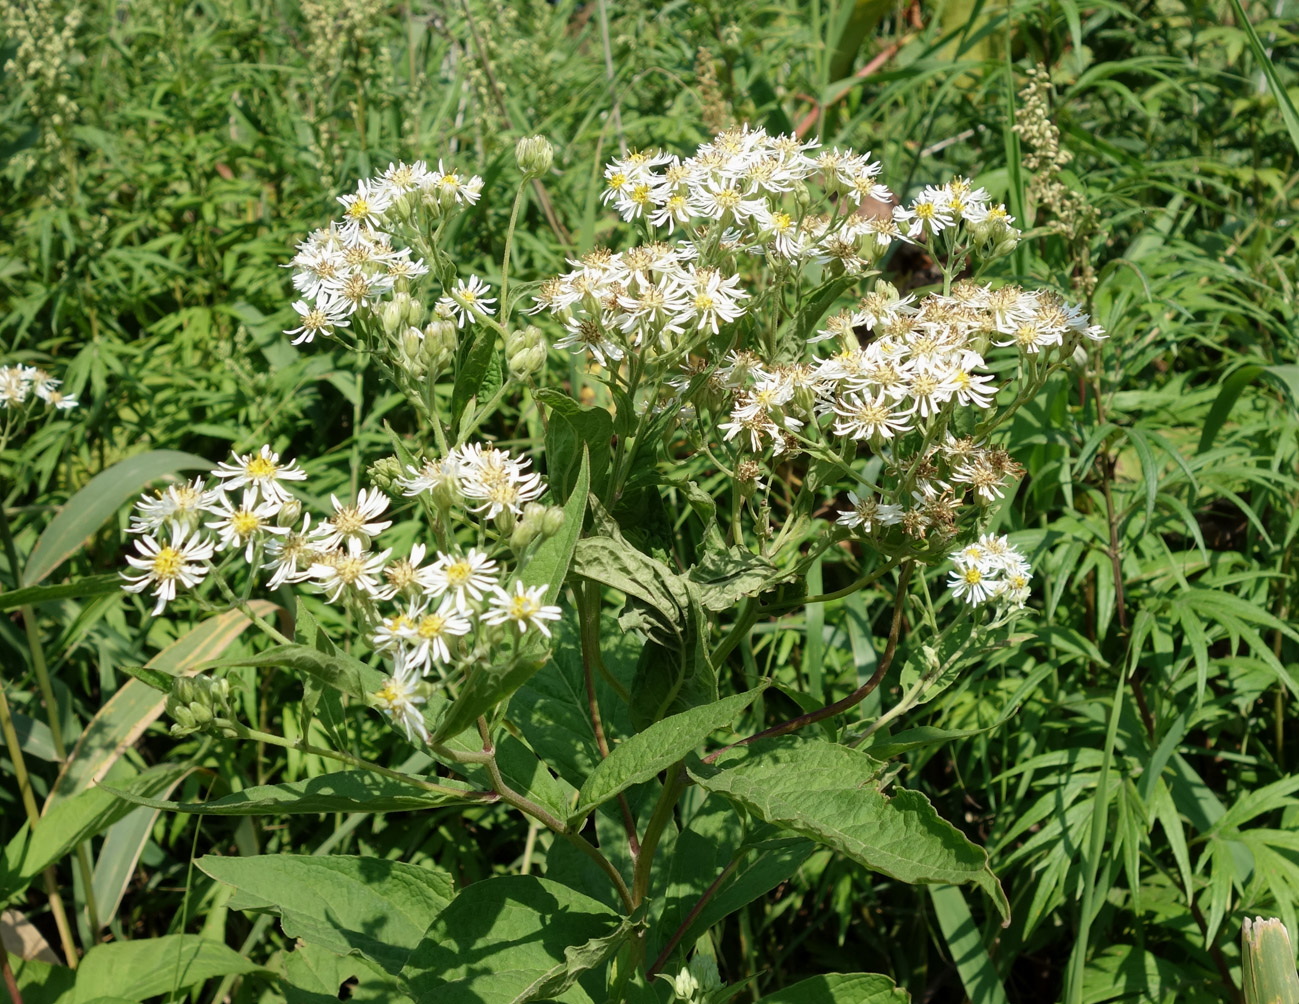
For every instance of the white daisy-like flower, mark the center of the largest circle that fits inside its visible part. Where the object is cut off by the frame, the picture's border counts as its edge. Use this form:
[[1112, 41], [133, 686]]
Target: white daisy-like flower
[[184, 560], [868, 512], [178, 505], [432, 628], [261, 470], [400, 699], [291, 556], [243, 526], [320, 318], [863, 417], [468, 301], [357, 524], [524, 607], [463, 578], [353, 573], [498, 481], [970, 583], [363, 208]]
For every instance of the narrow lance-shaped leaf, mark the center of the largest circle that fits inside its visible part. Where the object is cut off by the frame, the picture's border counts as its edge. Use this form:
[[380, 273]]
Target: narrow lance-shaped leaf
[[87, 510]]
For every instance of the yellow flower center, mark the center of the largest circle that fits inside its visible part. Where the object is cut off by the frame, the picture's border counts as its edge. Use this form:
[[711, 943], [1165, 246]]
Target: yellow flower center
[[167, 563], [245, 523], [523, 607], [458, 573], [259, 466], [431, 626], [359, 209]]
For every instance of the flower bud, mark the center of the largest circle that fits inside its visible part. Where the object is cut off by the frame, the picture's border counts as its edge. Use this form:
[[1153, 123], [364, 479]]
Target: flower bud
[[525, 532], [392, 315], [383, 473], [525, 351], [552, 522], [289, 513], [506, 521], [704, 969], [802, 195], [534, 155]]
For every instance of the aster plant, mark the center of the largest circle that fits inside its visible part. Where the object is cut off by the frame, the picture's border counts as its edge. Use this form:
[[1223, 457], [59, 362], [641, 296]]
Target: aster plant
[[741, 370]]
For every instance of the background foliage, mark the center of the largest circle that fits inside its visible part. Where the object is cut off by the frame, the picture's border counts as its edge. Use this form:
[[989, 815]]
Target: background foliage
[[1129, 759]]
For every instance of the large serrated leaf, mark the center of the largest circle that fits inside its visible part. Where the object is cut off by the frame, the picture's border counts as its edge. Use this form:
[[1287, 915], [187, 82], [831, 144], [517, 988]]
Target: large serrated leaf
[[655, 749], [830, 793], [344, 903], [88, 510], [508, 940]]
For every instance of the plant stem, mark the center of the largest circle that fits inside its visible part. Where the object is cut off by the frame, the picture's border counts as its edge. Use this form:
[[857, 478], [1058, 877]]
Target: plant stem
[[857, 696], [690, 918], [505, 258]]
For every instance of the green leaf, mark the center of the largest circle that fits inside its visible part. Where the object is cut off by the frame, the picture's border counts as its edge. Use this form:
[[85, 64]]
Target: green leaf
[[88, 510], [553, 557], [147, 967], [318, 976], [831, 794], [136, 704], [473, 372], [726, 577], [817, 303], [344, 903], [978, 974], [656, 748], [571, 432], [511, 939], [92, 585], [1288, 114], [342, 791], [841, 988], [70, 822]]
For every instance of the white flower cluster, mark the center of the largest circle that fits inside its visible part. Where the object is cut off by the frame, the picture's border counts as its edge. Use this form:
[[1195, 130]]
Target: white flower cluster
[[18, 384], [437, 604], [353, 265], [992, 568]]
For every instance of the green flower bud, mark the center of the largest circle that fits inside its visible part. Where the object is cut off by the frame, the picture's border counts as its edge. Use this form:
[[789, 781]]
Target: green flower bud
[[552, 522], [534, 155], [382, 473], [416, 315], [289, 513], [525, 532], [524, 364], [506, 522], [704, 969], [392, 315]]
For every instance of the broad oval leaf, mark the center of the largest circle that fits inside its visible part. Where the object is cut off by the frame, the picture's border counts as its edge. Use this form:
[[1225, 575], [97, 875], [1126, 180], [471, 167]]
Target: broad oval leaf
[[656, 748], [830, 793], [344, 903], [87, 510], [511, 939]]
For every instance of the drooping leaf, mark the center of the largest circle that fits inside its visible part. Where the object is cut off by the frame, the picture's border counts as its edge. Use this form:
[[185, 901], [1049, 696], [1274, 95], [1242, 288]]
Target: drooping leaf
[[344, 903], [136, 705], [342, 791], [656, 748], [841, 988], [91, 507], [830, 793], [70, 822], [726, 577], [319, 976], [507, 940], [147, 967]]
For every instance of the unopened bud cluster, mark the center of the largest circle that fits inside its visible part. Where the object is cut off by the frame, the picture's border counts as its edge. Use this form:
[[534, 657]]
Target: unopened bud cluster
[[200, 704]]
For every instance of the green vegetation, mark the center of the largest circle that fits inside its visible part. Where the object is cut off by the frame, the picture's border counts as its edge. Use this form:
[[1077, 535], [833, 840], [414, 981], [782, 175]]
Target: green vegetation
[[1081, 801]]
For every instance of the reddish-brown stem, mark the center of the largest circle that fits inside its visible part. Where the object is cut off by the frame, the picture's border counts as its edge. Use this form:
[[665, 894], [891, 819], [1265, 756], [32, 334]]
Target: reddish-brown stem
[[695, 911], [11, 984], [856, 697]]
